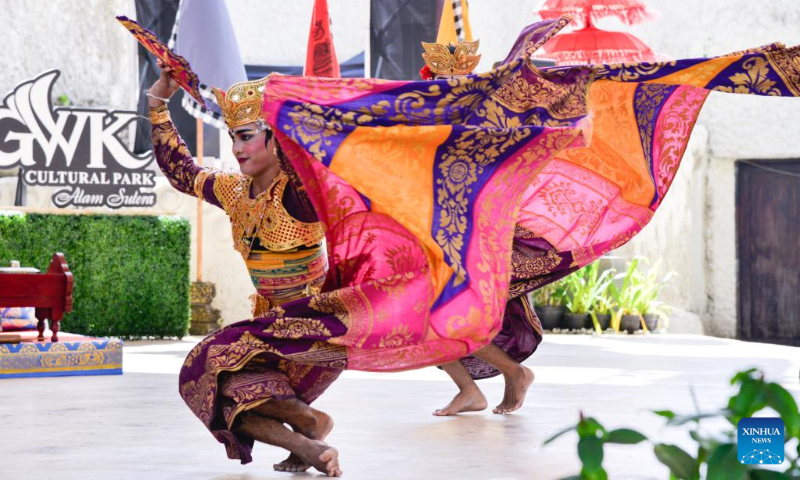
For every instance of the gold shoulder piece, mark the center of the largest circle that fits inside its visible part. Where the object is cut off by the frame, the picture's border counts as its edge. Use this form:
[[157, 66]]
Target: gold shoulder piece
[[229, 189]]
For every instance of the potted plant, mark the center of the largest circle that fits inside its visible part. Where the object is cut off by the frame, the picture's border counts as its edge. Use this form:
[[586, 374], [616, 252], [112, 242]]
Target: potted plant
[[583, 288], [637, 304], [548, 302], [627, 317], [602, 310], [647, 303]]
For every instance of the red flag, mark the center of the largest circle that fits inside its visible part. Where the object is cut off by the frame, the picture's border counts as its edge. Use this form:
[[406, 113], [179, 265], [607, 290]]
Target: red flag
[[321, 57]]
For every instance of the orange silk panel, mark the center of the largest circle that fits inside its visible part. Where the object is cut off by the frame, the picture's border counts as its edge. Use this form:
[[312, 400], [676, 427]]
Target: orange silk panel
[[393, 167], [615, 151]]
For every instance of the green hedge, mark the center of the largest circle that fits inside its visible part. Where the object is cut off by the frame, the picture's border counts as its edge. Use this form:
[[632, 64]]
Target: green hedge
[[131, 272]]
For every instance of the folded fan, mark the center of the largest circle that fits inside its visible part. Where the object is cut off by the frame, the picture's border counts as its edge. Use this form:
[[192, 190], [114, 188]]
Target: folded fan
[[181, 71]]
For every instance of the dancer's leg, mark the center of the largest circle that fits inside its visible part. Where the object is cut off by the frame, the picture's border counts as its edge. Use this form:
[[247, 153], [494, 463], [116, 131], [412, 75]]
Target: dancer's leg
[[517, 377], [311, 423], [469, 397], [313, 452]]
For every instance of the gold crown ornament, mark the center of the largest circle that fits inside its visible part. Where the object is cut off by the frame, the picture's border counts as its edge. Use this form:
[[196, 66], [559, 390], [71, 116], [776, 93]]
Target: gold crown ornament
[[459, 60], [242, 103]]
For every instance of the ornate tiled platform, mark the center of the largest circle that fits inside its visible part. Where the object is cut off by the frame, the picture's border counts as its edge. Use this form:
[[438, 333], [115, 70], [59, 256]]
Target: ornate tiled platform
[[71, 355]]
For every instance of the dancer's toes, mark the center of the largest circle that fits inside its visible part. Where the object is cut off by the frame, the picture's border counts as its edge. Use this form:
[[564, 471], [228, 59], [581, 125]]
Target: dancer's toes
[[517, 386], [331, 459], [321, 456], [292, 464]]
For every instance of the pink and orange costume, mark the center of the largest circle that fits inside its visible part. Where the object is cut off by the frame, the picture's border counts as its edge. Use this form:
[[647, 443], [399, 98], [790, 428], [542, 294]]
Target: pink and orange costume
[[442, 200]]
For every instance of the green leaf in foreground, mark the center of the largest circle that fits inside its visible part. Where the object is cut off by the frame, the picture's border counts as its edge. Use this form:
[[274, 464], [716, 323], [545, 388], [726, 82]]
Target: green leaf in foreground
[[590, 451], [723, 464], [680, 463], [625, 436]]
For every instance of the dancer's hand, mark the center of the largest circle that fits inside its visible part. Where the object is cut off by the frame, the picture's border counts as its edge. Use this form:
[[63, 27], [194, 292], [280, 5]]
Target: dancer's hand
[[164, 87]]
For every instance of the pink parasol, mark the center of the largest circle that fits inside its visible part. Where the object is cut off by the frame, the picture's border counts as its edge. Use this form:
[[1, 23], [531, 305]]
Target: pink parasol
[[592, 45], [629, 11]]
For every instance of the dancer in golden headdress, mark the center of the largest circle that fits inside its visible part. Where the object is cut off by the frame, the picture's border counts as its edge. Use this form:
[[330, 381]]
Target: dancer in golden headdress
[[241, 397], [522, 331]]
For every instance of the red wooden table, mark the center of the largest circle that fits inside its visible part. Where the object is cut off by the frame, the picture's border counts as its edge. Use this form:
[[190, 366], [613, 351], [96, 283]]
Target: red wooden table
[[50, 293]]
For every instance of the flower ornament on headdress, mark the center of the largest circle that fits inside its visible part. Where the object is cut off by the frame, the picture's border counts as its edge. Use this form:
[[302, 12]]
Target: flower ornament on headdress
[[242, 103], [426, 73], [459, 60]]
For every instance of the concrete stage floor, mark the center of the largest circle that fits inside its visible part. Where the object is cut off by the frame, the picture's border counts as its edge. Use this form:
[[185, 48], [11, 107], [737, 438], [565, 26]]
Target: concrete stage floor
[[135, 426]]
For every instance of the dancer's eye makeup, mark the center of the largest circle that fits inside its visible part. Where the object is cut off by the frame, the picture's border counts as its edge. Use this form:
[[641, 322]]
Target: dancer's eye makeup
[[243, 134]]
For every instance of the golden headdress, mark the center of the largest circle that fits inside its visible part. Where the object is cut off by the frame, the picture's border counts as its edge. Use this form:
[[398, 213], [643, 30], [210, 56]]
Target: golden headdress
[[460, 61], [242, 103]]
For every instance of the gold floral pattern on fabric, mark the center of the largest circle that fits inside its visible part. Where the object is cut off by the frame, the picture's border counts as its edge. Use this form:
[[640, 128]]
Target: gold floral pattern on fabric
[[529, 266], [418, 355], [322, 352], [459, 169], [453, 107], [251, 386], [313, 130], [675, 126], [294, 370], [562, 197], [562, 99], [646, 101], [492, 232], [554, 28], [524, 233], [585, 255], [518, 289], [787, 65], [629, 72], [399, 336], [568, 220], [331, 303], [264, 217], [175, 158], [294, 328], [754, 80], [200, 395]]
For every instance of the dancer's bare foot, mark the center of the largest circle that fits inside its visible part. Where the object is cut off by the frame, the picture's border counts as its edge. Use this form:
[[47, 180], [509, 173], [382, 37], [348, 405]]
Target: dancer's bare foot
[[314, 429], [467, 400], [321, 456], [292, 464], [517, 386]]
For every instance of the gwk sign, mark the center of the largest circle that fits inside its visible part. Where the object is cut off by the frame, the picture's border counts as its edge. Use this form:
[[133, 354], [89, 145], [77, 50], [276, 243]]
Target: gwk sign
[[74, 148]]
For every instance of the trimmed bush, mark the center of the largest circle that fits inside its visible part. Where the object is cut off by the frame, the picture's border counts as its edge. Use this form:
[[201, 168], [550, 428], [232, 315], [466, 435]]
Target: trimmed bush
[[131, 272]]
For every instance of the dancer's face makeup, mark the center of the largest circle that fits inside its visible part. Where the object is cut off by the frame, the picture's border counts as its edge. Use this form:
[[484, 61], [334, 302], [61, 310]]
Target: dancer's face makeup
[[252, 149]]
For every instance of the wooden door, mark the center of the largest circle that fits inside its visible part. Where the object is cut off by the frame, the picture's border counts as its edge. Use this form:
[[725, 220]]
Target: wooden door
[[768, 244]]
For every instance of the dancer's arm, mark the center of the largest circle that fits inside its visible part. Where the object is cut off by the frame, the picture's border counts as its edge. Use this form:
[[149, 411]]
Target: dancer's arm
[[172, 155]]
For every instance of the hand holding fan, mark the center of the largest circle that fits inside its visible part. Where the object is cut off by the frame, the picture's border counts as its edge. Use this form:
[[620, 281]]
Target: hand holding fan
[[181, 71]]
